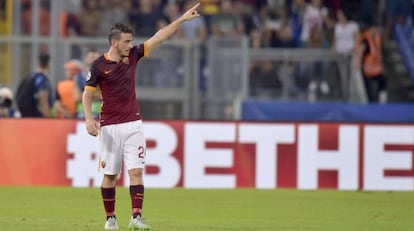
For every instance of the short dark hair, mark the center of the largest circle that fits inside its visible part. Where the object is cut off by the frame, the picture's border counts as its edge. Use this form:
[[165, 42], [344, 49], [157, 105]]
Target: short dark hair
[[117, 29], [44, 60]]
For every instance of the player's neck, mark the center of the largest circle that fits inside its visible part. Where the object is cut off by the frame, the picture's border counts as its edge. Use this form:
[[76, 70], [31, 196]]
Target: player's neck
[[44, 71], [113, 55]]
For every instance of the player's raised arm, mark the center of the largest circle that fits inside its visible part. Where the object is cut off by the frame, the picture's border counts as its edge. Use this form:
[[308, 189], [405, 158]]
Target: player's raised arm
[[171, 28]]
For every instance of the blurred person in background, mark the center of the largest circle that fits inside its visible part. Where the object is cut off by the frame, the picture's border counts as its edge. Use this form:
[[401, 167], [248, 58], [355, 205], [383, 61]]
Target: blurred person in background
[[114, 11], [246, 12], [258, 17], [90, 15], [297, 13], [256, 39], [314, 16], [70, 24], [317, 71], [297, 9], [170, 13], [158, 5], [333, 6], [196, 31], [71, 27], [396, 12], [369, 60], [90, 56], [273, 11], [226, 22], [345, 34], [169, 67], [283, 35], [44, 17], [284, 38], [208, 9], [34, 94], [67, 93], [6, 104], [263, 74], [144, 18]]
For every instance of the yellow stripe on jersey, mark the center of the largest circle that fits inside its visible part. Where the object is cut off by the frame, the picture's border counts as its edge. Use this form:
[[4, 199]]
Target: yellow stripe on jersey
[[146, 50], [90, 88]]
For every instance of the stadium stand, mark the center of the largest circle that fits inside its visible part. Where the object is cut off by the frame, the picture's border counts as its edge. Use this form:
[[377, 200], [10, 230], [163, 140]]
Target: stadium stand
[[274, 64], [404, 39]]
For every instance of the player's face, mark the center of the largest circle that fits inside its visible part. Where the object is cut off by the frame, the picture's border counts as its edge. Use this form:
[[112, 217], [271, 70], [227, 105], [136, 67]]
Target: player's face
[[124, 44]]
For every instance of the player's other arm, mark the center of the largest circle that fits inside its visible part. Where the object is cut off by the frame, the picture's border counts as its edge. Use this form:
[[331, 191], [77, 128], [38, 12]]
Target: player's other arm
[[44, 103], [92, 126], [170, 29]]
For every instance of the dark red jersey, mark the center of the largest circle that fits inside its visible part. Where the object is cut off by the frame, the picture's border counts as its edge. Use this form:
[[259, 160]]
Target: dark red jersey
[[117, 84]]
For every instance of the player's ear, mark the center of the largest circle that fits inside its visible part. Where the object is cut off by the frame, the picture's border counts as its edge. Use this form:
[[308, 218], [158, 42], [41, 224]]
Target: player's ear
[[114, 41]]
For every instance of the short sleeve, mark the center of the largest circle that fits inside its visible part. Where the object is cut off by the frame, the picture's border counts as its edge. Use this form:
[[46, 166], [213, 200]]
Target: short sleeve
[[42, 82], [137, 52], [92, 79]]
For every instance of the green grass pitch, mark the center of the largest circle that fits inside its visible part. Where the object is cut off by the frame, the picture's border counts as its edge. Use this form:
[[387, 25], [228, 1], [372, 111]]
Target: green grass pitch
[[65, 208]]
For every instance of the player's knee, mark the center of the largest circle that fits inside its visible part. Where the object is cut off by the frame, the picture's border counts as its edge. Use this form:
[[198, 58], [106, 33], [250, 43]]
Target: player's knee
[[110, 177], [136, 173], [109, 180]]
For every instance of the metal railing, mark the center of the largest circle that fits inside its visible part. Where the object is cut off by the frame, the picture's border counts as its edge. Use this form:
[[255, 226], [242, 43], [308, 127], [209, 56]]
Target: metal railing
[[227, 79], [165, 77], [295, 69]]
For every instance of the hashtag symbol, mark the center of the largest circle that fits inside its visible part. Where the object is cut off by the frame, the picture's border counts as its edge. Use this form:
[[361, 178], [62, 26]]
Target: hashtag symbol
[[82, 162]]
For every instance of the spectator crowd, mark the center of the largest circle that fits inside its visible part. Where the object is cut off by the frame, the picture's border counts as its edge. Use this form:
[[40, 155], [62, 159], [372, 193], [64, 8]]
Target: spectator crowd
[[316, 24], [282, 23]]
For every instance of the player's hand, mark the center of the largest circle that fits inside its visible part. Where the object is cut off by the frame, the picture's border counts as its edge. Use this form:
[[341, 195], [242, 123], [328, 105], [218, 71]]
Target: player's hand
[[191, 13], [93, 127]]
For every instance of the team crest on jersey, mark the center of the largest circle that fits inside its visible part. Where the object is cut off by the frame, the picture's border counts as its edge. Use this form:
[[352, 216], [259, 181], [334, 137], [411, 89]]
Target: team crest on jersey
[[125, 60], [88, 76]]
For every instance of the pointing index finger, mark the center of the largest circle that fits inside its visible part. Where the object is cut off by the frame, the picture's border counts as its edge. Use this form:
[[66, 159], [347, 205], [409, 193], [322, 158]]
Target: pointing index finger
[[195, 6]]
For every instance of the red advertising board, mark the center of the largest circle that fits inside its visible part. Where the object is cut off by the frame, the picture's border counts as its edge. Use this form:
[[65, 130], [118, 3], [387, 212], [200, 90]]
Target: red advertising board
[[194, 154]]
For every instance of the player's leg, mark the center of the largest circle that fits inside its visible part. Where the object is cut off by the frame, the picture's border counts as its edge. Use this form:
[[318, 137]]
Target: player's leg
[[110, 163], [134, 159], [108, 194], [137, 199], [136, 190], [369, 88], [382, 88], [108, 198]]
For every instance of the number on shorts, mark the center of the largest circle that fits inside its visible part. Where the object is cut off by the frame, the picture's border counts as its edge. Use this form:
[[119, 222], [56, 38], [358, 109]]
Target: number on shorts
[[141, 152]]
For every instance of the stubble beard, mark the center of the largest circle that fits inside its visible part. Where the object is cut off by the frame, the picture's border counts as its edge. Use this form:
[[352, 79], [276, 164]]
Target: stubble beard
[[120, 53]]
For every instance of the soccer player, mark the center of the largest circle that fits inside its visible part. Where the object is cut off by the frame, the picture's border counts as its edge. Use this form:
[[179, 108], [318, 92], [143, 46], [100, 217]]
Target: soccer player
[[120, 127]]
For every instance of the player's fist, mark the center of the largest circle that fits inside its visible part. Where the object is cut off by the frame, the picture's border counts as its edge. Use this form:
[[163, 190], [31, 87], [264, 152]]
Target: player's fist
[[92, 126], [191, 13]]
